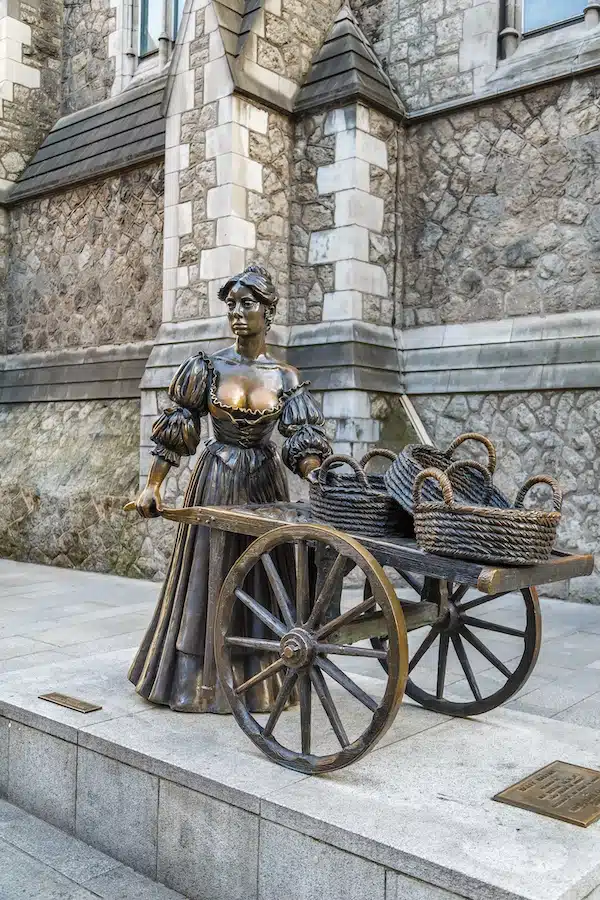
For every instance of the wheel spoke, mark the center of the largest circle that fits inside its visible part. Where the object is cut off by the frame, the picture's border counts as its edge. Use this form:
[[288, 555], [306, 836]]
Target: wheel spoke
[[324, 695], [305, 711], [281, 595], [459, 593], [260, 612], [412, 582], [302, 583], [492, 626], [260, 676], [423, 649], [342, 679], [466, 666], [282, 698], [479, 601], [485, 652], [345, 618], [350, 650], [334, 576], [442, 662], [254, 644]]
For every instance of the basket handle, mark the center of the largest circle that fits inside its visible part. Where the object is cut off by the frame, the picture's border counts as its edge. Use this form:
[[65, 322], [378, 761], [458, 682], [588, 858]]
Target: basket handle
[[474, 436], [472, 464], [444, 481], [378, 451], [349, 461], [557, 494]]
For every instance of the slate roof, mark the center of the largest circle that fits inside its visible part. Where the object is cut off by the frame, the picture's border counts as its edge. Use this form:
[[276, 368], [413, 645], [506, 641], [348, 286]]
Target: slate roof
[[109, 136], [346, 69]]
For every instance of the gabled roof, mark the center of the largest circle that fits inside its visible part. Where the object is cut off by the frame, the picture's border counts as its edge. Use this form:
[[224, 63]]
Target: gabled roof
[[112, 135], [346, 69]]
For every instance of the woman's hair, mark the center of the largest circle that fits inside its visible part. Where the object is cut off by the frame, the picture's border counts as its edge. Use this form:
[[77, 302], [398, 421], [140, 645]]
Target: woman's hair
[[258, 280]]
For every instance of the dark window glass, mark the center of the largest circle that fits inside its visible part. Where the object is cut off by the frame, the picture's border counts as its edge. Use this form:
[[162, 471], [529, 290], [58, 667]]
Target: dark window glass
[[150, 25], [177, 13]]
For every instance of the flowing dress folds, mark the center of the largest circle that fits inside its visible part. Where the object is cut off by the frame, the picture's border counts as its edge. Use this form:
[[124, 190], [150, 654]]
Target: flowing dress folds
[[241, 465]]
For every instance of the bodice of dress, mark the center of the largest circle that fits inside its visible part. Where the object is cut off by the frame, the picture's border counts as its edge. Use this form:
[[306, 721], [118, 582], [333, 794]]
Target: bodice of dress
[[194, 390]]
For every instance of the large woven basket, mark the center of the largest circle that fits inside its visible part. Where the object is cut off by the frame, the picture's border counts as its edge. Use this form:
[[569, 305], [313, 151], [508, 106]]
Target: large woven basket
[[357, 502], [513, 537], [470, 485]]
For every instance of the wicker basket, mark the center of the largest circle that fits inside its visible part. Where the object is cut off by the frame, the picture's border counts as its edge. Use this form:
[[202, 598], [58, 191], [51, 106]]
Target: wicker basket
[[400, 522], [356, 503], [513, 537], [470, 485]]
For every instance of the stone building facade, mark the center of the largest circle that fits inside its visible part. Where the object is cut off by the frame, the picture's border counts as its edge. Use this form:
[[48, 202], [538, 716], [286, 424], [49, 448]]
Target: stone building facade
[[420, 177]]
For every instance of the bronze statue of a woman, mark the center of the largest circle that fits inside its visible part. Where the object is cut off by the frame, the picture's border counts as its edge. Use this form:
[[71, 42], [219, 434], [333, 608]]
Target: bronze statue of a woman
[[246, 393]]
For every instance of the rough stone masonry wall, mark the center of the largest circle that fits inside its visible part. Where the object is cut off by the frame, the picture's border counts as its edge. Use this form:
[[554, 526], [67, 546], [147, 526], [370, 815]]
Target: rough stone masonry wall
[[86, 265], [502, 210], [293, 32], [556, 432], [30, 86], [88, 70], [433, 50], [64, 487]]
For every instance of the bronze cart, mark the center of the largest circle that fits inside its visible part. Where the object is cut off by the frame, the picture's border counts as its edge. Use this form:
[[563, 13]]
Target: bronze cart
[[306, 630]]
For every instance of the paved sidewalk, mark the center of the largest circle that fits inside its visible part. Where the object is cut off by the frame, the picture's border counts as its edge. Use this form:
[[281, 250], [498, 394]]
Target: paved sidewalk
[[39, 862], [50, 615]]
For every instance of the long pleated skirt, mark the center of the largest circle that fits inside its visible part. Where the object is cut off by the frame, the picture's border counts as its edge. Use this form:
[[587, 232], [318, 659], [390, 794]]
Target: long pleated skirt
[[168, 666]]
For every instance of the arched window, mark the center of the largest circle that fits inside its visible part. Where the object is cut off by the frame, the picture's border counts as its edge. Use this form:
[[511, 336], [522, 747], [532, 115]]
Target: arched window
[[541, 14], [156, 17]]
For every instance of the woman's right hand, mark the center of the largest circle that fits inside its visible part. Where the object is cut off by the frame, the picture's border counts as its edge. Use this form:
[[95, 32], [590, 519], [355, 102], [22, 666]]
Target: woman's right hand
[[149, 503]]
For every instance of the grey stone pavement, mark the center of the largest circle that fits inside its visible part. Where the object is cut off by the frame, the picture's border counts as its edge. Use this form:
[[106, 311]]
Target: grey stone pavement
[[39, 862]]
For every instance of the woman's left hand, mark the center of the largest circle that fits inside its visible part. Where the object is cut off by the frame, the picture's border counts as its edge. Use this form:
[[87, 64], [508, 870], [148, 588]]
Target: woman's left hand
[[308, 465]]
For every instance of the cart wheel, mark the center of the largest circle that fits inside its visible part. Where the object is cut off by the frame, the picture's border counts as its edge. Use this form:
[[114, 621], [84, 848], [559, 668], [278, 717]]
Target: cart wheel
[[340, 719], [467, 628]]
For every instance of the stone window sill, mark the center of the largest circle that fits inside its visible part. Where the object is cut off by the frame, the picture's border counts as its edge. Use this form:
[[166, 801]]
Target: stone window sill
[[547, 56]]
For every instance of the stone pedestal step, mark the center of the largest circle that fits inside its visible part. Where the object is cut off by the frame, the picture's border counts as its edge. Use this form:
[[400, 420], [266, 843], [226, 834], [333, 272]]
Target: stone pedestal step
[[39, 861], [187, 800]]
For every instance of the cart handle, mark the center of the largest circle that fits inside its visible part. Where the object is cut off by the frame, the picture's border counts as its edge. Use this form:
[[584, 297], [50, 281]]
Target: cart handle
[[439, 476], [347, 460], [474, 436], [378, 451], [557, 494], [473, 464]]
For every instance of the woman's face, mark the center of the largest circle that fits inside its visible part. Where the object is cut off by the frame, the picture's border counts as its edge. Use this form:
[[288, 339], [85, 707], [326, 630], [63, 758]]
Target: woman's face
[[246, 313]]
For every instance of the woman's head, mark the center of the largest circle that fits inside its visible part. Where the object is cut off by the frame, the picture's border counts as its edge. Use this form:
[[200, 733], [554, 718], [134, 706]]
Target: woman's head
[[251, 300]]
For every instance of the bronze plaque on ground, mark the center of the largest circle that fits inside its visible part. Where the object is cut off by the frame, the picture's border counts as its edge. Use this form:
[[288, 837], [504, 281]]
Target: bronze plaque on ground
[[81, 706], [560, 790]]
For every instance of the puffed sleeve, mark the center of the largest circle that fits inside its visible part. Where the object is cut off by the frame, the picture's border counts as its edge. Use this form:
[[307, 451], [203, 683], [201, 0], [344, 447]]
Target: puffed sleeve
[[177, 432], [302, 424]]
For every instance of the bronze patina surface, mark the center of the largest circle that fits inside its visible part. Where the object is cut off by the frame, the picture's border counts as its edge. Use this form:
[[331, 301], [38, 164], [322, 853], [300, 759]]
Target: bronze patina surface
[[81, 706], [561, 791], [246, 394]]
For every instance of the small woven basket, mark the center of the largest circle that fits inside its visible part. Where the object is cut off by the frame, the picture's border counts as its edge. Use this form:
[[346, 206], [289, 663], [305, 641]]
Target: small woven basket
[[357, 503], [512, 537], [470, 486]]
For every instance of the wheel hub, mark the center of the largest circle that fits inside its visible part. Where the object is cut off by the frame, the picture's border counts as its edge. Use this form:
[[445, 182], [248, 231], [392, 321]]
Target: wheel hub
[[450, 623], [297, 648]]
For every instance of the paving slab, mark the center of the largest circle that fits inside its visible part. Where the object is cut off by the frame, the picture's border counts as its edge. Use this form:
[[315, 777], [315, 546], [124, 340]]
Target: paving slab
[[40, 862]]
